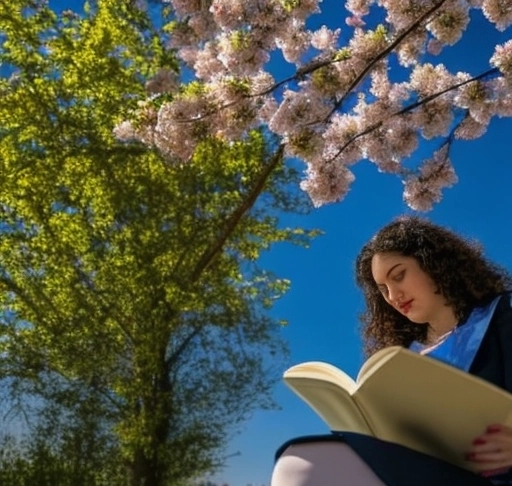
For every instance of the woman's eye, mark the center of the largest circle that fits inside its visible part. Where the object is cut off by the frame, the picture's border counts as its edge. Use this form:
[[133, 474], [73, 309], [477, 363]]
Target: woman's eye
[[399, 276]]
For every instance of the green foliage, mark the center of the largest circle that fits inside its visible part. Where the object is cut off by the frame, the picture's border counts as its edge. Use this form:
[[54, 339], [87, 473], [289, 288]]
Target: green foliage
[[132, 304], [343, 54], [290, 5], [76, 462]]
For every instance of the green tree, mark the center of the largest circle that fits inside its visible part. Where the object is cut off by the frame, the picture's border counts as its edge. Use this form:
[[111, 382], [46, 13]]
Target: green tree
[[133, 305], [36, 461]]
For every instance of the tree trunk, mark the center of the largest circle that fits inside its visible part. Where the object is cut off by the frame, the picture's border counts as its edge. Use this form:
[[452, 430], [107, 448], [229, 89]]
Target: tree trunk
[[149, 466]]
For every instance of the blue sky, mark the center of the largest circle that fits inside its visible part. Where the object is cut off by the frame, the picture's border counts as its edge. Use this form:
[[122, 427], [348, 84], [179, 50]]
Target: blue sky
[[323, 303]]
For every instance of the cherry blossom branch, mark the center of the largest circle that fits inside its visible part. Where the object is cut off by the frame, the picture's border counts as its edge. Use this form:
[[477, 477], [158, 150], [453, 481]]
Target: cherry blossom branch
[[383, 54], [433, 96], [411, 107], [315, 65], [235, 91], [319, 64], [299, 74]]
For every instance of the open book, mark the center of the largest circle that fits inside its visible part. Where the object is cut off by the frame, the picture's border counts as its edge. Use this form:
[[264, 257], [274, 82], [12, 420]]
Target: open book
[[406, 398]]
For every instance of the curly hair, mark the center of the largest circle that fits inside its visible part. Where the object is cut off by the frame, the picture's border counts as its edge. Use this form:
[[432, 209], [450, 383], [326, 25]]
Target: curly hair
[[457, 266]]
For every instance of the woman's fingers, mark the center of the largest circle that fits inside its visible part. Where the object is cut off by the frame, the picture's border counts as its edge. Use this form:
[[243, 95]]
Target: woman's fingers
[[491, 452]]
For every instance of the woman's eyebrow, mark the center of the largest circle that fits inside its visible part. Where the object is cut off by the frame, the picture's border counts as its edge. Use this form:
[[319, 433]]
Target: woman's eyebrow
[[392, 268]]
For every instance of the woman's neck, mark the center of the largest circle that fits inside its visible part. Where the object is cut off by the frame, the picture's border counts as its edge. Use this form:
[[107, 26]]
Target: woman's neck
[[441, 325]]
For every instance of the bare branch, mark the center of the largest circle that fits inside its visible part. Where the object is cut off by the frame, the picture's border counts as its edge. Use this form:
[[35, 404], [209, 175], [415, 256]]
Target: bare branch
[[232, 222]]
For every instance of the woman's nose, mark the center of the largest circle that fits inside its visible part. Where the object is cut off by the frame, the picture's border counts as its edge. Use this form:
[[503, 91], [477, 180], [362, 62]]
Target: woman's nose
[[395, 294]]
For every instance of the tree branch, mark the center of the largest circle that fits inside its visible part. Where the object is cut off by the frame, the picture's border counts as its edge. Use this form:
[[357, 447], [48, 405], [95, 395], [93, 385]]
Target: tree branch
[[411, 107], [301, 72], [232, 222], [403, 35], [173, 358]]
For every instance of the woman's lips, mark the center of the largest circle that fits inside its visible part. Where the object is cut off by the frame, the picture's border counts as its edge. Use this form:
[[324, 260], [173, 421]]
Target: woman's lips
[[406, 306]]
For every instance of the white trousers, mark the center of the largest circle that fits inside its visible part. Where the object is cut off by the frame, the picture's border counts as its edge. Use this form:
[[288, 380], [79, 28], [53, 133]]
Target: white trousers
[[322, 464]]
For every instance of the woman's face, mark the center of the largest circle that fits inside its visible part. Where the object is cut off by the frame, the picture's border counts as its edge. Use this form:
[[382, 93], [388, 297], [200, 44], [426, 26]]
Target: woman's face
[[407, 288]]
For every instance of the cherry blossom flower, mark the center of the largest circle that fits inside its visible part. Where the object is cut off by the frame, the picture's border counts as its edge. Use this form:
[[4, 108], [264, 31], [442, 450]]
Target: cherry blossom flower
[[502, 58], [125, 131], [340, 131], [298, 109], [412, 48], [434, 47], [164, 81], [184, 8], [366, 45], [304, 8], [359, 8], [327, 183], [324, 38], [207, 64], [293, 41], [434, 118], [470, 129], [503, 97], [341, 103], [239, 55], [229, 15], [477, 98], [498, 12], [401, 13], [450, 22], [427, 79], [306, 144], [355, 21], [401, 138], [423, 190]]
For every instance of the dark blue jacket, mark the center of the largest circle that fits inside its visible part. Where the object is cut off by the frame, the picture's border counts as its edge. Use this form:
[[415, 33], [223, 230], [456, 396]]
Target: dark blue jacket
[[493, 361], [399, 466]]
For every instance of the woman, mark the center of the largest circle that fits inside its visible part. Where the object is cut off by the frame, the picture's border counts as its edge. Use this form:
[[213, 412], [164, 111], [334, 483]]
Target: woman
[[426, 288]]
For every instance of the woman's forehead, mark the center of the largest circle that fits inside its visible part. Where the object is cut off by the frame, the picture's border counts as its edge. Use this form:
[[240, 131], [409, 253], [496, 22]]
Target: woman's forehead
[[383, 263]]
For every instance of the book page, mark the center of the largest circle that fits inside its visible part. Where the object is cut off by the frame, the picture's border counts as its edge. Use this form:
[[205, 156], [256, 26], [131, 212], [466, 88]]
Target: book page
[[375, 361], [328, 391], [429, 406]]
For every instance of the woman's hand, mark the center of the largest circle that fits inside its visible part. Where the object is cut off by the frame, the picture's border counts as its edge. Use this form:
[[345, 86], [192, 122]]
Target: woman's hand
[[491, 452]]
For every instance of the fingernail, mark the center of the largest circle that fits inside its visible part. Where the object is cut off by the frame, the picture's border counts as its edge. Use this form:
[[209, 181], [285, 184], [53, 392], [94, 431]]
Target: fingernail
[[479, 441], [493, 428], [494, 472]]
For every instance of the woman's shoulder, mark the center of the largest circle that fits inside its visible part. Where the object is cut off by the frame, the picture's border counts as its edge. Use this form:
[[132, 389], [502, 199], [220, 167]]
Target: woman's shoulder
[[505, 301], [502, 316]]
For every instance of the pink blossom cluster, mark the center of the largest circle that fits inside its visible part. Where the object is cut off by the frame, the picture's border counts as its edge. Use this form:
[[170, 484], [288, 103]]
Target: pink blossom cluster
[[423, 189], [341, 105]]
